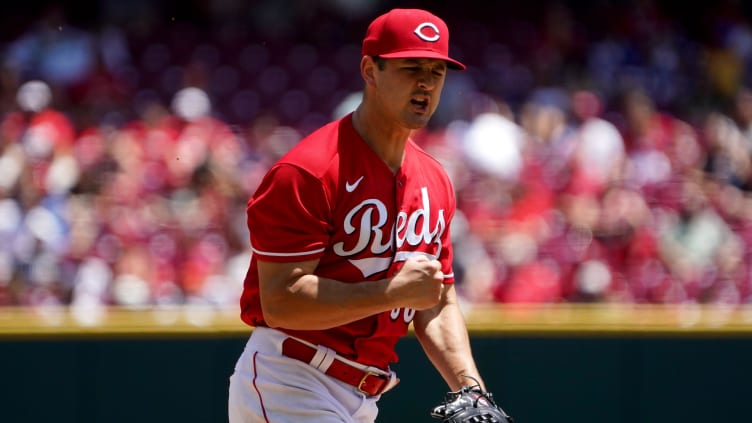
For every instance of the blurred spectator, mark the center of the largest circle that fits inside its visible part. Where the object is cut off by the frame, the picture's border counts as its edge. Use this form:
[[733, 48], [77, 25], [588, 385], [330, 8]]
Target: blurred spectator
[[493, 143], [728, 159], [648, 136], [691, 241], [53, 50], [661, 149], [599, 152], [742, 115]]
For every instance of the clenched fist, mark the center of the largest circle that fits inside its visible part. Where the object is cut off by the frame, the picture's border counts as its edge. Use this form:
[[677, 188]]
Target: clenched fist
[[418, 284]]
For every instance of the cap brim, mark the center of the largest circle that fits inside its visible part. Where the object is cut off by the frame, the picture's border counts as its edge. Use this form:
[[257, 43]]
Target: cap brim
[[424, 54]]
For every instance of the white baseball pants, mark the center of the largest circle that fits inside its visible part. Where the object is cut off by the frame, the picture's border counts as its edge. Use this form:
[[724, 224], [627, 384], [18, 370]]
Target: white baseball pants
[[267, 387]]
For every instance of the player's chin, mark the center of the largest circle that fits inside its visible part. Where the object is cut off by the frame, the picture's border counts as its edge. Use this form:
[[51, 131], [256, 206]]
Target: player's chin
[[417, 120]]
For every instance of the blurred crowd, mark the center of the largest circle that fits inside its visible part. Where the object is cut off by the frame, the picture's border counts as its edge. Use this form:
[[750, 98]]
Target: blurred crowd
[[594, 159]]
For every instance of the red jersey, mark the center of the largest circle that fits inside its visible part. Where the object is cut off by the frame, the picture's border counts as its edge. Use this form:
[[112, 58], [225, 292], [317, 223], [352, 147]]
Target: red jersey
[[333, 199]]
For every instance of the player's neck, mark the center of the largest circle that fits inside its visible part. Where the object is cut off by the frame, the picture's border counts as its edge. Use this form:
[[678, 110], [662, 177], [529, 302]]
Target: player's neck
[[387, 141]]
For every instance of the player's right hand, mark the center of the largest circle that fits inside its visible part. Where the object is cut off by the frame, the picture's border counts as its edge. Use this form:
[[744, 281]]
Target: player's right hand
[[418, 284]]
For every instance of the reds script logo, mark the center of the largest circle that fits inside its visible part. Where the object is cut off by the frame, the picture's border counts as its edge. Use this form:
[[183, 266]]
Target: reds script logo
[[366, 222], [432, 35]]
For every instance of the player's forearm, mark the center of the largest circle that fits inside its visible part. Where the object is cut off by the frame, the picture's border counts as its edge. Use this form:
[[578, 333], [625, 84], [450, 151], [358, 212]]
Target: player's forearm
[[313, 303], [443, 336], [294, 297]]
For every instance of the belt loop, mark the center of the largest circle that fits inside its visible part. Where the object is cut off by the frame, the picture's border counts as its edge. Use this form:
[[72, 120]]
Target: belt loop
[[323, 358], [393, 381]]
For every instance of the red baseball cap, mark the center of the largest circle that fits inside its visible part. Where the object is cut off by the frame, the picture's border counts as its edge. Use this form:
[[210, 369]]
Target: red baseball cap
[[409, 33]]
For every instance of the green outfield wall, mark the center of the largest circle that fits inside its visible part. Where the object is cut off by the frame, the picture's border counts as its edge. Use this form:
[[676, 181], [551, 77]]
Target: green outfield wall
[[544, 366]]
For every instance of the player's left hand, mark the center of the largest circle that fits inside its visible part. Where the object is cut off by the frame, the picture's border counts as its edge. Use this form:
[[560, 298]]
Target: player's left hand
[[468, 405]]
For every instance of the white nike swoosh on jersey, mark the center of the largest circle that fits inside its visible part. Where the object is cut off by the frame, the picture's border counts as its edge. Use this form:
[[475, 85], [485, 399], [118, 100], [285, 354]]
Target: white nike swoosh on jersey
[[351, 187]]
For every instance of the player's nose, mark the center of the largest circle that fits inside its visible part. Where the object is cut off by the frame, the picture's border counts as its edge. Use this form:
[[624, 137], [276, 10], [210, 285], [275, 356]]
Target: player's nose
[[427, 80]]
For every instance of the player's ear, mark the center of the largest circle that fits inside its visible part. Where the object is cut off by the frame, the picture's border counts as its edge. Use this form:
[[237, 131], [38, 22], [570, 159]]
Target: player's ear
[[368, 69]]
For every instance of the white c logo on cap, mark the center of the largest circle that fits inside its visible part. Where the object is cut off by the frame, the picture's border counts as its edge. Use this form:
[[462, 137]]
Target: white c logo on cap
[[419, 32]]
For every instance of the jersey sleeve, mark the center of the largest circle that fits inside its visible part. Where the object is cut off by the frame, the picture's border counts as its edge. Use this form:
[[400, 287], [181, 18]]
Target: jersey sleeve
[[288, 217]]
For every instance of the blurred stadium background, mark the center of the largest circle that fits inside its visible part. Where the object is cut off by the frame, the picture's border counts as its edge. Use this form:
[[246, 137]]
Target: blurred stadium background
[[601, 153]]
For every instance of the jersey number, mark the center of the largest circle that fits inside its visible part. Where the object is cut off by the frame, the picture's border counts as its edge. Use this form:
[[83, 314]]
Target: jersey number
[[407, 314]]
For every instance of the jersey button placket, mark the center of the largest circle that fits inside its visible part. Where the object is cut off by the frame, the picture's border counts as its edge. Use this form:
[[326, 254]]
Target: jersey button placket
[[399, 192]]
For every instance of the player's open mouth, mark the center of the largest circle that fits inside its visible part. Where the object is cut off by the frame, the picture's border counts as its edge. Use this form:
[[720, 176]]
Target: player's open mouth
[[420, 103]]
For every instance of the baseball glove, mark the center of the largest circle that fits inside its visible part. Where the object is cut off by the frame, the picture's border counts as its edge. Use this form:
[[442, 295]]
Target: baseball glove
[[471, 404]]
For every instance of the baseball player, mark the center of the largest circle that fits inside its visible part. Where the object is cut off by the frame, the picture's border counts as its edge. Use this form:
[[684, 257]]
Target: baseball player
[[351, 244]]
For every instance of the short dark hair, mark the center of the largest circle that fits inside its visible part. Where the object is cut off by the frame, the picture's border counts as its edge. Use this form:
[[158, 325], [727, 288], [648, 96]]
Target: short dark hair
[[380, 62]]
